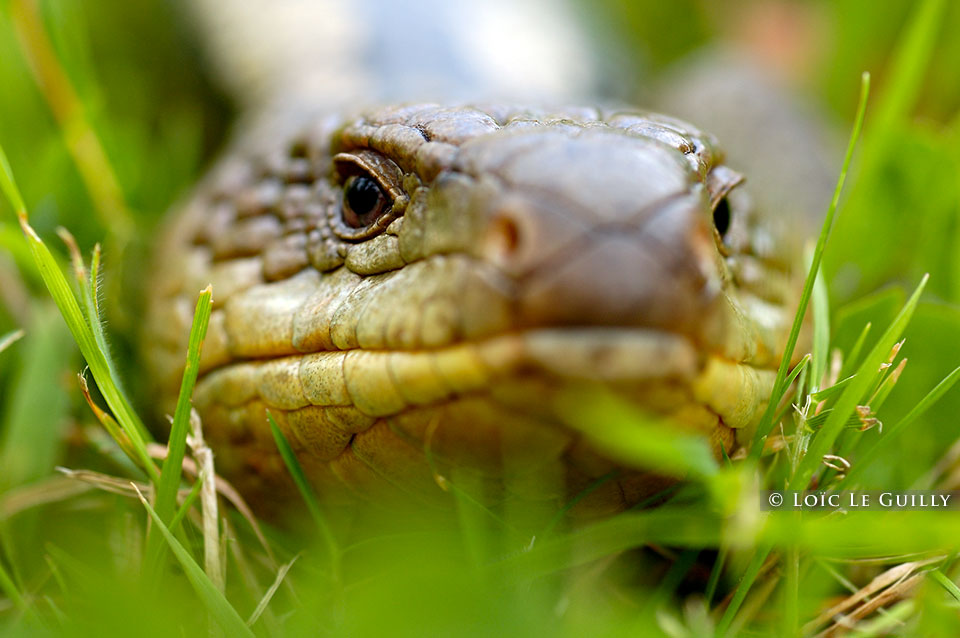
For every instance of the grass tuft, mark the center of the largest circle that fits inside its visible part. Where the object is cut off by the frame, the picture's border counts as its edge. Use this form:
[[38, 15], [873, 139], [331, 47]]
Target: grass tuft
[[221, 610], [853, 394], [86, 329], [766, 421]]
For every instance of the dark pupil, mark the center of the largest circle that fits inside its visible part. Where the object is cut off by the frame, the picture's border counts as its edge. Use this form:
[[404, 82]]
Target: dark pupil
[[363, 195], [721, 216]]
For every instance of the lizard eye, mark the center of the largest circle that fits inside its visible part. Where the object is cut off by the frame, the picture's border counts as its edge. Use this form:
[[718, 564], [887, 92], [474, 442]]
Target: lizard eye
[[363, 201], [721, 217], [372, 194], [722, 185]]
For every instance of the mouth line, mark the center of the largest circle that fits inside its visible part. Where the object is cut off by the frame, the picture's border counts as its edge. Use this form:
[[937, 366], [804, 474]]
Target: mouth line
[[598, 353], [518, 374], [610, 353], [386, 382]]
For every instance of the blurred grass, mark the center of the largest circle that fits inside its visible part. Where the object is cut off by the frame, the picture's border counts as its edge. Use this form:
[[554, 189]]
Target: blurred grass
[[71, 566]]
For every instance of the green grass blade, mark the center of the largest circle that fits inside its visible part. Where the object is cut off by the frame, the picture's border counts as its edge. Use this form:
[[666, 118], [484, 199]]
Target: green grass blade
[[818, 420], [87, 286], [911, 59], [32, 428], [8, 185], [95, 281], [268, 596], [670, 581], [221, 610], [582, 494], [821, 334], [10, 338], [76, 322], [894, 431], [743, 587], [306, 491], [715, 573], [635, 438], [946, 583], [675, 526], [797, 369], [832, 390], [878, 398], [822, 442], [766, 421], [186, 505], [885, 625], [850, 362], [177, 443], [791, 591], [9, 588]]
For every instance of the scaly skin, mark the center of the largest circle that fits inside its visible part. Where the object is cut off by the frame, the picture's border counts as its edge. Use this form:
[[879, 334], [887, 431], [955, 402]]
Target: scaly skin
[[522, 253]]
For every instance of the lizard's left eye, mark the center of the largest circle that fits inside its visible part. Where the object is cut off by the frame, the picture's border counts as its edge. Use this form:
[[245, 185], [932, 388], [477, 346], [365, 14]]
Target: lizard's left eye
[[363, 201], [721, 217]]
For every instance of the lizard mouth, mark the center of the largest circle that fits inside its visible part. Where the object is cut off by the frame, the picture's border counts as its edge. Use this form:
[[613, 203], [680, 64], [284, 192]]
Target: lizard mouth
[[485, 407]]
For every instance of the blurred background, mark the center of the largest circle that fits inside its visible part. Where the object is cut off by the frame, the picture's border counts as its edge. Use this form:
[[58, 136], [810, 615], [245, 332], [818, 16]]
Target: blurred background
[[110, 111]]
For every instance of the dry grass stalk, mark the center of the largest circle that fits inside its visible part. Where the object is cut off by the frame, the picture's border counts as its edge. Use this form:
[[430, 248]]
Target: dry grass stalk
[[212, 559], [893, 584]]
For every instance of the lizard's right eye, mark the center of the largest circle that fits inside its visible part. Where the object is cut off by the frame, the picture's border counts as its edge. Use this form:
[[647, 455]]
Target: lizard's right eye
[[372, 194]]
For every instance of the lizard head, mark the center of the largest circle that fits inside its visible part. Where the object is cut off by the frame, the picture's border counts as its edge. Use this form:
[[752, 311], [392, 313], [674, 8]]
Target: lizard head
[[420, 281]]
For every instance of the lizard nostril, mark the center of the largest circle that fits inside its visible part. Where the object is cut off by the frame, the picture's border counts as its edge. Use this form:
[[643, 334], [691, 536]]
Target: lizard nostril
[[503, 239]]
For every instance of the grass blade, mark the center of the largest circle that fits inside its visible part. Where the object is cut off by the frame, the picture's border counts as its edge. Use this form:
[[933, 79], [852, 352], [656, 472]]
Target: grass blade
[[10, 338], [267, 597], [791, 591], [922, 406], [743, 587], [821, 334], [82, 141], [637, 439], [31, 428], [88, 292], [797, 369], [946, 583], [678, 527], [188, 502], [8, 185], [9, 588], [832, 390], [176, 446], [306, 491], [909, 62], [850, 361], [218, 606], [766, 421], [715, 573]]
